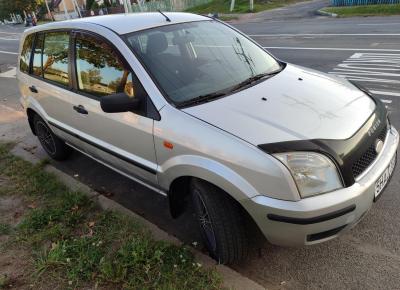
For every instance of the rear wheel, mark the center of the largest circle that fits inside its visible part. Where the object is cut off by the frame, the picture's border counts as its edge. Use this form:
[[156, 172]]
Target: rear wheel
[[54, 146], [222, 222]]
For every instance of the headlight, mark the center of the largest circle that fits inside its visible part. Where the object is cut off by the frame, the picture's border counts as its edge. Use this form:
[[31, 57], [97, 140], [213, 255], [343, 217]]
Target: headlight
[[313, 173]]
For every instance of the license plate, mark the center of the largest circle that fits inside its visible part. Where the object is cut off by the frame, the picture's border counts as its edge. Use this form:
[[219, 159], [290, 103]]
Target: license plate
[[384, 178]]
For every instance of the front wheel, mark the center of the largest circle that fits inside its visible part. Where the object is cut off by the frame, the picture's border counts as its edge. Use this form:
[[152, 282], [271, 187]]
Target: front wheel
[[222, 223], [54, 146]]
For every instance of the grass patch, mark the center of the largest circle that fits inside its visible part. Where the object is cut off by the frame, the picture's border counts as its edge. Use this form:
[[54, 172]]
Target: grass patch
[[365, 10], [43, 21], [241, 6], [228, 17], [5, 229], [4, 281], [75, 245]]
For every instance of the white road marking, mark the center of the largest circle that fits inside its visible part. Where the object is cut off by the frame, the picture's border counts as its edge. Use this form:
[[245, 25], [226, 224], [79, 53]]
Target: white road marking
[[8, 52], [331, 48], [384, 93], [324, 34], [10, 73], [371, 67], [11, 33], [378, 24], [6, 38], [354, 77]]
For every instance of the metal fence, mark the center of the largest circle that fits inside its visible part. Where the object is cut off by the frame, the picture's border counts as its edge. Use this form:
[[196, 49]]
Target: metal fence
[[362, 2], [167, 5]]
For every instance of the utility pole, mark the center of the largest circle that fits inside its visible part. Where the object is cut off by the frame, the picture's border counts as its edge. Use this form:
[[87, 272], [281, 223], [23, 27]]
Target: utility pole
[[65, 10], [126, 6], [232, 5], [77, 8], [251, 5]]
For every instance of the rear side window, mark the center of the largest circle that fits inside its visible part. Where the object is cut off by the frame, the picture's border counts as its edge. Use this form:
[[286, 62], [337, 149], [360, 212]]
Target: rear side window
[[55, 57], [37, 56], [99, 69], [26, 54]]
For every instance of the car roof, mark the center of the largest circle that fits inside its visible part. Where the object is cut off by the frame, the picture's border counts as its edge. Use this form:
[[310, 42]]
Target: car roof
[[126, 23]]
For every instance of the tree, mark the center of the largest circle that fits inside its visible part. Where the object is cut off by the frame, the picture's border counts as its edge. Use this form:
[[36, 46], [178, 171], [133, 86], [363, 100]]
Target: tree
[[94, 76], [18, 6], [91, 4]]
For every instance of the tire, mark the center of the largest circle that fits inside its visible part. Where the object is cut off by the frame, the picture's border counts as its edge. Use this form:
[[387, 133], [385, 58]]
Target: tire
[[222, 223], [53, 145]]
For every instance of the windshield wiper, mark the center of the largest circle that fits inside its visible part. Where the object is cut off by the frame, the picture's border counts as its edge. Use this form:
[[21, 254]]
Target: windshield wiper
[[253, 79], [208, 97], [201, 99]]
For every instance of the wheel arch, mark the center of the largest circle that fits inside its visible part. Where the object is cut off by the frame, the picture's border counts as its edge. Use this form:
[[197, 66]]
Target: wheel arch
[[33, 108], [31, 114], [181, 172]]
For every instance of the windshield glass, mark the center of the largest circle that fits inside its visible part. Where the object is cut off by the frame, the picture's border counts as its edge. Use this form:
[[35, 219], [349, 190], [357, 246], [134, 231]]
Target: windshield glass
[[199, 59]]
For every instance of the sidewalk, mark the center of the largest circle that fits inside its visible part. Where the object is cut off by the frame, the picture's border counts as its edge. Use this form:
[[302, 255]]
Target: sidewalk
[[295, 11]]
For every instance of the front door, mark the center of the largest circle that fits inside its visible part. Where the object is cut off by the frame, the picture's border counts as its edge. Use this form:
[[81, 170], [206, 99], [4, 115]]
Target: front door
[[124, 140]]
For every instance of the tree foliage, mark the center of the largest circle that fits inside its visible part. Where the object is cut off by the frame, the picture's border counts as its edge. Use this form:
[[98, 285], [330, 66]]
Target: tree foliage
[[18, 6]]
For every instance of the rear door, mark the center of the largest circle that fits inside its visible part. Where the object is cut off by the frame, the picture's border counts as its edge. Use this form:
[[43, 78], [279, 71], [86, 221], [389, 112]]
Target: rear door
[[50, 81]]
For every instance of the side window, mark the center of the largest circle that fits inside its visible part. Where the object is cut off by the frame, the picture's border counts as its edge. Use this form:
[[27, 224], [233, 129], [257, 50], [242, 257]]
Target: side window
[[99, 69], [37, 56], [55, 57], [26, 54]]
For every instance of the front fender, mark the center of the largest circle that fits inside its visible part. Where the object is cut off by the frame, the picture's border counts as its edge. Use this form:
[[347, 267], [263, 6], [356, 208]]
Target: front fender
[[207, 169]]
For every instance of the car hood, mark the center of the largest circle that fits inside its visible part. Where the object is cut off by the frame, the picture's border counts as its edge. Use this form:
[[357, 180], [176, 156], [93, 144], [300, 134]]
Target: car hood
[[300, 104]]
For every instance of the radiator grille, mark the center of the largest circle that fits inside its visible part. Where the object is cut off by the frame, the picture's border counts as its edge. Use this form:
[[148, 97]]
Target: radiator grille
[[368, 157]]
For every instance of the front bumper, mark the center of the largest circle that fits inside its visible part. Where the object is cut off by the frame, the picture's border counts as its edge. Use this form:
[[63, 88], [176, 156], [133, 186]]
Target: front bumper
[[317, 219]]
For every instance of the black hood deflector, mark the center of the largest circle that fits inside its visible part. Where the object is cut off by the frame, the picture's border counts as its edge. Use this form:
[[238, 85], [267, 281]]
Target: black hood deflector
[[343, 152]]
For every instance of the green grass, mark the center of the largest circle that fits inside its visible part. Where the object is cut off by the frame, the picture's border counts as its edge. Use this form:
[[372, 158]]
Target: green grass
[[4, 281], [228, 17], [365, 10], [5, 229], [241, 6], [76, 245], [43, 21]]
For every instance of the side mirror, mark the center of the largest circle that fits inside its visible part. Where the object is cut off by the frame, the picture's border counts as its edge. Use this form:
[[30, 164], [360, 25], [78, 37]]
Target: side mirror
[[118, 103]]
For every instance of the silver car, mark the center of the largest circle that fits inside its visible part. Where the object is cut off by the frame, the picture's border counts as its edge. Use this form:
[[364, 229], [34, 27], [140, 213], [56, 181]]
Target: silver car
[[195, 110]]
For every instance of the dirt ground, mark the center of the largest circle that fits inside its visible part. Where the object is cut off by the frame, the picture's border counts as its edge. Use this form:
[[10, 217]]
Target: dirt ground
[[14, 264]]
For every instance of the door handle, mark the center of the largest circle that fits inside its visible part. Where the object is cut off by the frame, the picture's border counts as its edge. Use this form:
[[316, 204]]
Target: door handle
[[33, 89], [80, 109]]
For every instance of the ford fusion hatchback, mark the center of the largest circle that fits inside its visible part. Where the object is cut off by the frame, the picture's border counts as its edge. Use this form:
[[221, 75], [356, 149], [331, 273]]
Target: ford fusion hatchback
[[198, 112]]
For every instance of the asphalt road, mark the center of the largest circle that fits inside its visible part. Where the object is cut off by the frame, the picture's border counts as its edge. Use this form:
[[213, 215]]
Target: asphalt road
[[363, 49]]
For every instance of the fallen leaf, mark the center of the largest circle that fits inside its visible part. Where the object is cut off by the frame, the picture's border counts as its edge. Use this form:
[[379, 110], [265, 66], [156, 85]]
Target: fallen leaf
[[91, 224], [54, 245], [17, 214]]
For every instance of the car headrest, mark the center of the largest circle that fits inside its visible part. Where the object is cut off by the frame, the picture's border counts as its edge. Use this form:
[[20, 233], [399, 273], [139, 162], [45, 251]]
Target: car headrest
[[156, 43]]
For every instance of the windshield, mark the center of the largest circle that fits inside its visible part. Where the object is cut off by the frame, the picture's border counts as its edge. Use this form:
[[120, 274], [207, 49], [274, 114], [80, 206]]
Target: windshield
[[200, 59]]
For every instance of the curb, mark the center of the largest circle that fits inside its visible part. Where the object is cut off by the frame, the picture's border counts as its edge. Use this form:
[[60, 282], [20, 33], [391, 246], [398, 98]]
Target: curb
[[325, 13], [231, 279]]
